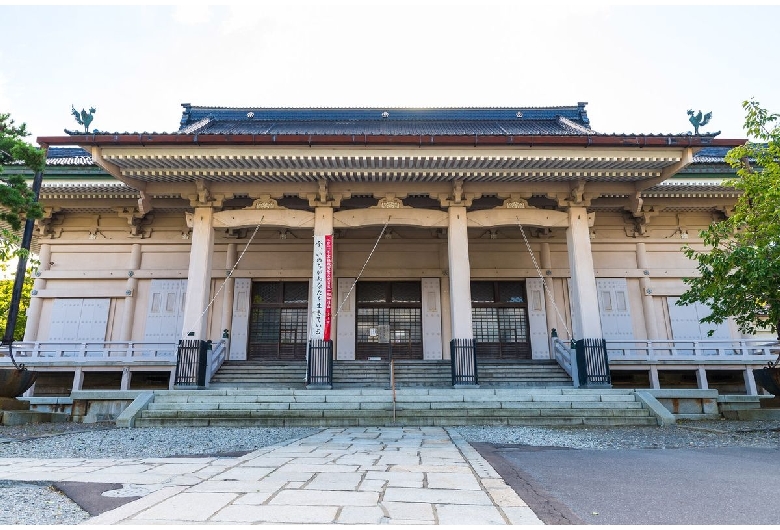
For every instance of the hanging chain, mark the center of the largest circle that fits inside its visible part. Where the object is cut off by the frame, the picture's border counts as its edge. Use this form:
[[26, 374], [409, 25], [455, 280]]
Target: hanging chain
[[544, 283], [230, 274], [364, 266]]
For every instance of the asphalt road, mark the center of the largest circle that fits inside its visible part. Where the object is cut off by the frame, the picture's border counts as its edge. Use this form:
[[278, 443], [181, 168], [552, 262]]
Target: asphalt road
[[730, 485]]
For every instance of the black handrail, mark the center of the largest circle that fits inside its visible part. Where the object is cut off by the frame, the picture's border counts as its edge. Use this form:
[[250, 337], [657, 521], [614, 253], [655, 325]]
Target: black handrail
[[463, 361], [191, 363], [319, 369], [592, 363]]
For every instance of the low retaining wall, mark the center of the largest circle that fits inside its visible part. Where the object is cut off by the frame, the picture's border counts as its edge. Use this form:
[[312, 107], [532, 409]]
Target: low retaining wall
[[90, 406]]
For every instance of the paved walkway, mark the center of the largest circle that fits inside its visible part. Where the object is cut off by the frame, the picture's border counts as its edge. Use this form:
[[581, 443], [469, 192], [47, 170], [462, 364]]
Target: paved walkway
[[356, 475]]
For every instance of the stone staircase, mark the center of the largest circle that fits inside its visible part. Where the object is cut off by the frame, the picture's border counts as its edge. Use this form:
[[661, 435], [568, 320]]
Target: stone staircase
[[376, 374], [522, 374], [412, 407], [266, 374]]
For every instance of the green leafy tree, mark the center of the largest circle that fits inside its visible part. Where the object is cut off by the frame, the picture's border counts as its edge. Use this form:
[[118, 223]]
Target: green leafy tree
[[17, 201], [6, 287], [17, 204], [740, 274]]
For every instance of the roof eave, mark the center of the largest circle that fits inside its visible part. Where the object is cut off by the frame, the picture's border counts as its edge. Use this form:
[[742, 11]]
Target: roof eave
[[375, 140]]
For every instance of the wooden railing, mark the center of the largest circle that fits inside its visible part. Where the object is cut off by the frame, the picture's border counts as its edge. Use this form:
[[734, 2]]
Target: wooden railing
[[44, 352]]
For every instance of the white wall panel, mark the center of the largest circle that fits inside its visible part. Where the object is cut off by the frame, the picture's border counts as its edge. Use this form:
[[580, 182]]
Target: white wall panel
[[79, 319], [165, 310], [614, 309], [239, 329], [345, 325], [431, 318], [537, 319]]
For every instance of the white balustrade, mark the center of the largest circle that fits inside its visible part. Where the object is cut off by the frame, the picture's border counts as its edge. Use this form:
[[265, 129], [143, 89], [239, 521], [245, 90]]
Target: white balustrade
[[696, 351], [110, 352]]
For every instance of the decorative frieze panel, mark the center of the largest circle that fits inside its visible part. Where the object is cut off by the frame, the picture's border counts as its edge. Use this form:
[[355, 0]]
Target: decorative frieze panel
[[264, 202], [391, 203]]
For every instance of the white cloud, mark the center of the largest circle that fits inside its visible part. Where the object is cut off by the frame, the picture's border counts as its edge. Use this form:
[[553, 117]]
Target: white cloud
[[5, 101], [191, 14]]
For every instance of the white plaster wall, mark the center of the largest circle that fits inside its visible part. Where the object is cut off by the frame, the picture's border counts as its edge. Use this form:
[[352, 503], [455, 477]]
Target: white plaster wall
[[83, 265]]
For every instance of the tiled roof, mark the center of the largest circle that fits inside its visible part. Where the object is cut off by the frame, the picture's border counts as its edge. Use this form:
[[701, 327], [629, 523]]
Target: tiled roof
[[68, 156], [711, 155], [387, 121]]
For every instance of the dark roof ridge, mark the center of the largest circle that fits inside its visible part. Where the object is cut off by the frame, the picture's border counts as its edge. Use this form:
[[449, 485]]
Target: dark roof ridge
[[544, 107]]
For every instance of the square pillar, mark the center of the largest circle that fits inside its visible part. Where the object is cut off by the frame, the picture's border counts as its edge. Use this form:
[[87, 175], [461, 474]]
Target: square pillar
[[199, 275], [230, 284], [36, 303], [78, 379], [126, 375], [654, 381], [647, 296], [460, 273], [131, 294], [584, 301], [701, 378], [750, 382]]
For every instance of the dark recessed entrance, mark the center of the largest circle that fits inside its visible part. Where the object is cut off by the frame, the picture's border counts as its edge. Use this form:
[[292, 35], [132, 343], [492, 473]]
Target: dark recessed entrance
[[499, 313], [389, 321], [278, 321]]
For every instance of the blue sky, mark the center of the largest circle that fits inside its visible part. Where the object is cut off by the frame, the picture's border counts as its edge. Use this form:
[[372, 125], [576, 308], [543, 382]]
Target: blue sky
[[640, 68]]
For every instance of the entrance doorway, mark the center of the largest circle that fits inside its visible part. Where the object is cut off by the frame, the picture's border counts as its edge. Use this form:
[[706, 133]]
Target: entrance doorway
[[278, 321], [389, 321], [499, 313]]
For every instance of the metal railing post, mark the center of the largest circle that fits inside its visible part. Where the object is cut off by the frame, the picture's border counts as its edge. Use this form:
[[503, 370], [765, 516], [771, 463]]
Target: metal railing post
[[319, 364], [463, 362], [593, 363], [191, 363]]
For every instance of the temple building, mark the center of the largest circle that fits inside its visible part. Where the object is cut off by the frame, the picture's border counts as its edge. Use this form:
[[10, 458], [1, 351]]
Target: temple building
[[392, 232]]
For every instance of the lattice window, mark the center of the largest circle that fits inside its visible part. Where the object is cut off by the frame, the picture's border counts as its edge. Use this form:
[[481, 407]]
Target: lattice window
[[389, 320], [278, 324], [500, 319]]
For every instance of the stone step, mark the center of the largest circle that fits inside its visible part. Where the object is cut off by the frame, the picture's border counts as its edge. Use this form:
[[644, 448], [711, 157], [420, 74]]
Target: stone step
[[413, 407], [389, 420], [450, 392], [377, 374]]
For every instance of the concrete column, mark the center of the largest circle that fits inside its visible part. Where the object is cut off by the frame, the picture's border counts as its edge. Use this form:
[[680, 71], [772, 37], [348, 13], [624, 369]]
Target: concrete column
[[36, 303], [78, 379], [585, 307], [651, 326], [701, 378], [750, 382], [199, 274], [131, 286], [230, 283], [654, 381], [460, 273], [126, 376]]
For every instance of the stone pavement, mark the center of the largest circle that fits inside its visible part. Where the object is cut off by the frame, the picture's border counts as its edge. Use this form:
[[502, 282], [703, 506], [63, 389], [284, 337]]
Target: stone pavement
[[358, 475]]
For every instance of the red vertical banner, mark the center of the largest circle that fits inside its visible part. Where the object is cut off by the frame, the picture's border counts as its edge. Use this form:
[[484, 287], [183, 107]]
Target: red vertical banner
[[322, 287], [328, 284]]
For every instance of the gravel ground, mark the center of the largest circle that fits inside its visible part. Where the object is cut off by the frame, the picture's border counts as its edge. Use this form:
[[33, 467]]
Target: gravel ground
[[38, 503], [686, 433]]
